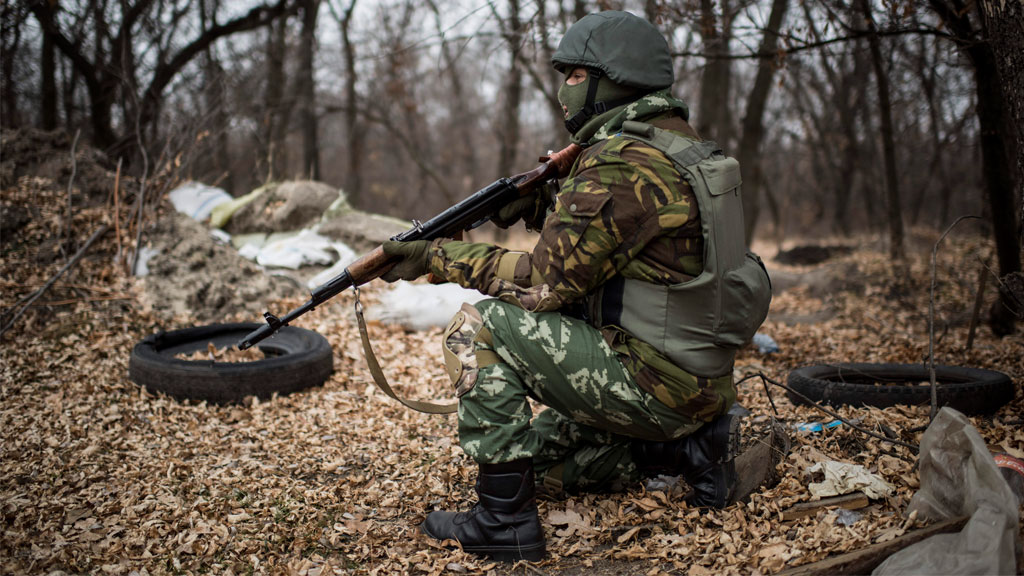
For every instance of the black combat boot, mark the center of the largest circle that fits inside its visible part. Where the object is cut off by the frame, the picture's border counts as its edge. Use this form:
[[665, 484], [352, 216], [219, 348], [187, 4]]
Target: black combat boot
[[706, 459], [504, 525]]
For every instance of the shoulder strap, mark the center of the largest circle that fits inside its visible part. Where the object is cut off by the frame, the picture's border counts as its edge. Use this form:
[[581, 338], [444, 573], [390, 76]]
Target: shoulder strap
[[680, 149], [382, 381]]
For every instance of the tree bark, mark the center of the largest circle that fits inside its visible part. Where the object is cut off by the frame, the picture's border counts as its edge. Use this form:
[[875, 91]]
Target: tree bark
[[714, 120], [508, 130], [10, 42], [275, 114], [48, 72], [307, 91], [1004, 26], [355, 138], [894, 212], [753, 120]]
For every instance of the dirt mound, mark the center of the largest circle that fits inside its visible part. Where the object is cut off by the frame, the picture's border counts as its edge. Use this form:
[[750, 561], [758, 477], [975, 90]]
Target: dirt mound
[[194, 276], [362, 231], [47, 155], [284, 207], [810, 255]]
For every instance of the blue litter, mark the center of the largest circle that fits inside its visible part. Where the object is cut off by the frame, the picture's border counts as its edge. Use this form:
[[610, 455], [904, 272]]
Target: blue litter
[[817, 426], [765, 344]]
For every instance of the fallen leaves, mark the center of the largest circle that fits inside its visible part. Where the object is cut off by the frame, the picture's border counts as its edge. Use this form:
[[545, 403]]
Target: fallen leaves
[[101, 476]]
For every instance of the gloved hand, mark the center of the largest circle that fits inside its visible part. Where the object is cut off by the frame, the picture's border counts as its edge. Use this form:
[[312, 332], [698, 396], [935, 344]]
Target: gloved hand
[[532, 208], [412, 259]]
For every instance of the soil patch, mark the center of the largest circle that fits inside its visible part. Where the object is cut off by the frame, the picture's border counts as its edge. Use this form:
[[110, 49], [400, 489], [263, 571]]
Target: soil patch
[[42, 154], [809, 255], [194, 276], [283, 207]]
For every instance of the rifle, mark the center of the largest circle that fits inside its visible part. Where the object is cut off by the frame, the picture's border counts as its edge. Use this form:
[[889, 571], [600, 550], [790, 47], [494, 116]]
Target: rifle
[[466, 215]]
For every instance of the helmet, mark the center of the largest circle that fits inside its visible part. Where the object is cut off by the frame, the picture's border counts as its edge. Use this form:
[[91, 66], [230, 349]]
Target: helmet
[[626, 48]]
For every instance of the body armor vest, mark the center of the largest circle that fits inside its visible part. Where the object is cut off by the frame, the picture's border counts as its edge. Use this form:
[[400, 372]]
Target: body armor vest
[[700, 323]]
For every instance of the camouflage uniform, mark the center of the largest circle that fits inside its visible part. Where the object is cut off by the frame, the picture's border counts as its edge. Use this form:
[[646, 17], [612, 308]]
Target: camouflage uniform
[[626, 211]]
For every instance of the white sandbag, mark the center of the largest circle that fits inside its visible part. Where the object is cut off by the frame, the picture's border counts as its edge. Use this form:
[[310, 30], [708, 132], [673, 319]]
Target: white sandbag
[[197, 200], [421, 306], [305, 248]]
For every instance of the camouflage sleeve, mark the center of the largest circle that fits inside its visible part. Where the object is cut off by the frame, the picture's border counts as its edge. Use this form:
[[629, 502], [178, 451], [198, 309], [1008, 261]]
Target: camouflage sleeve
[[476, 265], [620, 214], [622, 198]]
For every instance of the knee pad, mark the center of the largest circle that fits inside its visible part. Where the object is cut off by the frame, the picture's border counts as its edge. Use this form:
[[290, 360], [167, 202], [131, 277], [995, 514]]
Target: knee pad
[[467, 347]]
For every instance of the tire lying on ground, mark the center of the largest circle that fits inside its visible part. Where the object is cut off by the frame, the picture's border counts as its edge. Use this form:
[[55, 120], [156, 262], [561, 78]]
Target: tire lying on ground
[[969, 390], [295, 359]]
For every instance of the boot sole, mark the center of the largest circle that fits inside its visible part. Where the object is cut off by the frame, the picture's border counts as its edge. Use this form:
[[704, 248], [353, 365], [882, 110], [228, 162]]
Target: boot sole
[[531, 552]]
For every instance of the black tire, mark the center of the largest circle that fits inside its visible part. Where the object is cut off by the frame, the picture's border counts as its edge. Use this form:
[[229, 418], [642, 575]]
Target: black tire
[[296, 359], [969, 390]]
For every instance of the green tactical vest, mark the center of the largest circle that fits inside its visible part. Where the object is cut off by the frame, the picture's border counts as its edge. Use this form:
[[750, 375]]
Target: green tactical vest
[[698, 324]]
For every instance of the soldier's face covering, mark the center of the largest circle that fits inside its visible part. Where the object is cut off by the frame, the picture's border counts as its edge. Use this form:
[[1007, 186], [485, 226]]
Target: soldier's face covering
[[572, 94]]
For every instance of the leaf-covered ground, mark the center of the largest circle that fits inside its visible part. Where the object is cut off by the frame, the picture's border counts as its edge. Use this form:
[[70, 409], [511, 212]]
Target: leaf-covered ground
[[100, 476]]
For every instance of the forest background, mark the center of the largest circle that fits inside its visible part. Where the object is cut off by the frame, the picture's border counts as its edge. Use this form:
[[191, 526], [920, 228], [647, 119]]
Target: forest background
[[867, 127], [846, 116]]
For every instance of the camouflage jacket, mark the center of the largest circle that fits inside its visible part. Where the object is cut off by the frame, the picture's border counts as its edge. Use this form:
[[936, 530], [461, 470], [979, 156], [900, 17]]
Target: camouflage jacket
[[624, 210]]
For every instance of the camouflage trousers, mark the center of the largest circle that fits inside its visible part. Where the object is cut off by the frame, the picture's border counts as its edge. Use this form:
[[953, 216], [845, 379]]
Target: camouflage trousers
[[594, 408]]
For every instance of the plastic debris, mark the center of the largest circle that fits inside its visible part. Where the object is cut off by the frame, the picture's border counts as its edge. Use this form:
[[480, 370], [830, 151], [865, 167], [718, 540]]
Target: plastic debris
[[1012, 470], [959, 477], [142, 268], [842, 478], [846, 517], [765, 344], [197, 200], [817, 426]]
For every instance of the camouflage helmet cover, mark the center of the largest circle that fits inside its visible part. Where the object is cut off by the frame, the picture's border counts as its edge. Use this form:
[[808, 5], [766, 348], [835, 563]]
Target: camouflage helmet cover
[[626, 48]]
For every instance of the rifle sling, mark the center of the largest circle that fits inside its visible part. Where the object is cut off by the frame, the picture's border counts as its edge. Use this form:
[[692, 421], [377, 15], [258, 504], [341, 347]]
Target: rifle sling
[[382, 381]]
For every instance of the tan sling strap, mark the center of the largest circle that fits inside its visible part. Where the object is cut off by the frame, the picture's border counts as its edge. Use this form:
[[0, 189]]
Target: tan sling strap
[[382, 381]]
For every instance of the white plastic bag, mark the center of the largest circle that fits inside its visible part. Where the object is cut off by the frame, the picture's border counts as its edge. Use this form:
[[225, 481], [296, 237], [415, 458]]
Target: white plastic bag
[[960, 478]]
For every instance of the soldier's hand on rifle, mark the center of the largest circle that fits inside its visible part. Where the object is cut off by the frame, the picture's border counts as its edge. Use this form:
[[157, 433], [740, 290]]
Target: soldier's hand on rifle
[[413, 259], [532, 208]]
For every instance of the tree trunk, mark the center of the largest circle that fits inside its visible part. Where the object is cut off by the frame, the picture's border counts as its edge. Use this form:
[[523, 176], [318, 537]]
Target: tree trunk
[[508, 130], [1004, 26], [996, 144], [48, 71], [714, 120], [10, 42], [307, 91], [894, 212], [753, 120], [354, 135], [995, 122], [275, 114]]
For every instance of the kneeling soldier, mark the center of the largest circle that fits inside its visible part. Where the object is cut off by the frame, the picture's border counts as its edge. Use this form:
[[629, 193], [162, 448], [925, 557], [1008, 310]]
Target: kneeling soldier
[[624, 319]]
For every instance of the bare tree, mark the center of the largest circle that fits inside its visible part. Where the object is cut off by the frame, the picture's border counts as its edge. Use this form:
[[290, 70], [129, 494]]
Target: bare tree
[[307, 91], [12, 14], [996, 141], [714, 117], [508, 123], [109, 70], [753, 120], [894, 212], [276, 110]]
